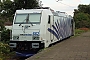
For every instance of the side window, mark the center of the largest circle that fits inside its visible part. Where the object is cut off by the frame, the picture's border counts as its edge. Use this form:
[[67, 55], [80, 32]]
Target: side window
[[49, 19]]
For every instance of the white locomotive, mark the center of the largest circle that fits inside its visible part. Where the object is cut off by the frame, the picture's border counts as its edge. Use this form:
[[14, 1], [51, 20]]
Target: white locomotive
[[34, 29]]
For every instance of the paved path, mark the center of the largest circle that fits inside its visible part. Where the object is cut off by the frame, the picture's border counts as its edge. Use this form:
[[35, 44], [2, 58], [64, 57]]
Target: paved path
[[76, 48]]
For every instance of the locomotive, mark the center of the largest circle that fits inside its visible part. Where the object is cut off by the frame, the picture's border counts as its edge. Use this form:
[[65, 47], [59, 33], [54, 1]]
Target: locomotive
[[35, 29]]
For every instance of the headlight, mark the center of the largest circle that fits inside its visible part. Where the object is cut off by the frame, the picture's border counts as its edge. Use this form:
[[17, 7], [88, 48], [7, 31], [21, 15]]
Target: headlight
[[15, 37], [35, 37]]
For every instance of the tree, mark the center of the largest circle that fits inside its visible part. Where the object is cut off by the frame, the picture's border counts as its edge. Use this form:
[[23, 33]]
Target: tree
[[82, 16], [2, 27], [26, 4], [6, 12], [82, 20], [9, 7], [84, 8], [5, 35]]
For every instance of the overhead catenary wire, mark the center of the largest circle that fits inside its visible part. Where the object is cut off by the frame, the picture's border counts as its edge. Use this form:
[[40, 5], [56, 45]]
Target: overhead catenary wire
[[59, 1], [65, 4]]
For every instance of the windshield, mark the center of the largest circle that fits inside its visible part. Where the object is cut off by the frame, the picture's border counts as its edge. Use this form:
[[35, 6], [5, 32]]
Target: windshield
[[32, 17]]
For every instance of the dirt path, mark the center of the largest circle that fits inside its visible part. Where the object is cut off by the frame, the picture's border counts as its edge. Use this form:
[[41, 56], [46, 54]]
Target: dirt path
[[76, 48]]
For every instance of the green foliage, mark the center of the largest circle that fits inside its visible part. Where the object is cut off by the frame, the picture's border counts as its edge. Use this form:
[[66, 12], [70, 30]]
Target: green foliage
[[82, 20], [78, 32], [82, 16], [2, 27], [4, 50], [5, 53], [8, 7], [25, 4], [6, 12], [84, 8], [5, 35]]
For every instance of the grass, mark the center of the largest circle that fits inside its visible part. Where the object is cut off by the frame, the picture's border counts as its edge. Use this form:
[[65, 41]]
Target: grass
[[80, 31]]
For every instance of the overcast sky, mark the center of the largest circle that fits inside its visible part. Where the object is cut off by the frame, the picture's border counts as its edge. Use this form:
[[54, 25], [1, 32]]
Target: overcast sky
[[67, 6]]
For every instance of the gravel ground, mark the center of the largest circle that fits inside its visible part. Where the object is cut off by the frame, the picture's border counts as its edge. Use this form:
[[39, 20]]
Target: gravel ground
[[74, 48]]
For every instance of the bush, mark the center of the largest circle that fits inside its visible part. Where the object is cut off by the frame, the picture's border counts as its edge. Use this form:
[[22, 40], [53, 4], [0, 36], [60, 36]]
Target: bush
[[82, 18], [4, 50], [5, 53], [5, 35]]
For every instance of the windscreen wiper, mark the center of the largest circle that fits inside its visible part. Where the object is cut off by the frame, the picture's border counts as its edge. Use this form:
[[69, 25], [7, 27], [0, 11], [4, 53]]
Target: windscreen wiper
[[27, 20], [22, 22]]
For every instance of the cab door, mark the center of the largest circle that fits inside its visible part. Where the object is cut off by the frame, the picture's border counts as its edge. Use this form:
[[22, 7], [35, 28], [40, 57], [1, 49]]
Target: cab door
[[50, 23]]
